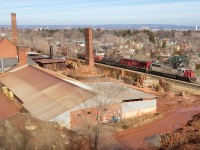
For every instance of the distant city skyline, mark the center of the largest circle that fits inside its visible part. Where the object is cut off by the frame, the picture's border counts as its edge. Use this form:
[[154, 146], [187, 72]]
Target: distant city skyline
[[94, 12]]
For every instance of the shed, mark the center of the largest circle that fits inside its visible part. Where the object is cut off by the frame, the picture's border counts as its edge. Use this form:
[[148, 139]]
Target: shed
[[52, 64]]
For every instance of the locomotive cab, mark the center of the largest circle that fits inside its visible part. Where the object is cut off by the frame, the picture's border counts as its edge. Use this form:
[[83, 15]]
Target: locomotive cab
[[190, 74]]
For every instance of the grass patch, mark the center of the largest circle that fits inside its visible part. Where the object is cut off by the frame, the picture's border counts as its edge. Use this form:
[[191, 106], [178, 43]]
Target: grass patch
[[129, 123], [197, 72]]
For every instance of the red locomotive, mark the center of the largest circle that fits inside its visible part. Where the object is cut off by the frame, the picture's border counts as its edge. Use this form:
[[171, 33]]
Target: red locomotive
[[135, 64], [180, 73]]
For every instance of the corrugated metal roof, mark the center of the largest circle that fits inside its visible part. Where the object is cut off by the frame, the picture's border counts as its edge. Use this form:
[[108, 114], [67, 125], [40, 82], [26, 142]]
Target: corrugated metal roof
[[65, 78], [44, 95], [118, 92], [7, 107]]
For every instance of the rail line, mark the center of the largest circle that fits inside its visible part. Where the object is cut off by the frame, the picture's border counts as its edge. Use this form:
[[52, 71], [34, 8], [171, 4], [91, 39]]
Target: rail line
[[180, 84]]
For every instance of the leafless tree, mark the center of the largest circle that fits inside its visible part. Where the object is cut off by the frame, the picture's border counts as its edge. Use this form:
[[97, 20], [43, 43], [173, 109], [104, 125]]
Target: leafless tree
[[97, 108]]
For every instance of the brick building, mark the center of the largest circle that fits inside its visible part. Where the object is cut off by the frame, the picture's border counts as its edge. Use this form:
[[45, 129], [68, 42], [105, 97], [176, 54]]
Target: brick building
[[7, 49], [113, 102]]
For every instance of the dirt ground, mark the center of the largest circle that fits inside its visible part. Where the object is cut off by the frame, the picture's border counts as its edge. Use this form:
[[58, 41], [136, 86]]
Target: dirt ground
[[24, 132]]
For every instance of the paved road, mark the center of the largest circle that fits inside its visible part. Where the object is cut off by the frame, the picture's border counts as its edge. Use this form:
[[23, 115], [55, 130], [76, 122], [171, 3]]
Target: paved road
[[133, 138]]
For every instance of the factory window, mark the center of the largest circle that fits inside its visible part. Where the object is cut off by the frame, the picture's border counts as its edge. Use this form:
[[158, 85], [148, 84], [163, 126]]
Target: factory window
[[89, 112]]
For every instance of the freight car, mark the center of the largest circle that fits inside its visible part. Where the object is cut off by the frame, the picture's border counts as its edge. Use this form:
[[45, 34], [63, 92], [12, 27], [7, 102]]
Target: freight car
[[180, 73], [109, 61]]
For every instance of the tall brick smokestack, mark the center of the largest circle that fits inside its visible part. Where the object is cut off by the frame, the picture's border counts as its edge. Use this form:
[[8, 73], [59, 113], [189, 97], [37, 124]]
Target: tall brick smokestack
[[22, 57], [89, 58], [14, 28]]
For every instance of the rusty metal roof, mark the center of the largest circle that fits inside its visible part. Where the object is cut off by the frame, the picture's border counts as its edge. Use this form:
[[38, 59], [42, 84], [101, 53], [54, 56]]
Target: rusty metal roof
[[7, 107], [45, 96]]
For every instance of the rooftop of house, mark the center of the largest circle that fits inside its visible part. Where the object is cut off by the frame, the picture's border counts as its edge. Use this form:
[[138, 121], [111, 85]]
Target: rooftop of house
[[178, 59]]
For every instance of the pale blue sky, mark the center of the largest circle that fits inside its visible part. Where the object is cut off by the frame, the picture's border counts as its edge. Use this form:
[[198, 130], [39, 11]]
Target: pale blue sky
[[68, 12]]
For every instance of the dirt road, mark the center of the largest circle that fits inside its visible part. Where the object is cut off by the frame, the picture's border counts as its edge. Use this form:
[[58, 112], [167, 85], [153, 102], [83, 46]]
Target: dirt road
[[133, 138]]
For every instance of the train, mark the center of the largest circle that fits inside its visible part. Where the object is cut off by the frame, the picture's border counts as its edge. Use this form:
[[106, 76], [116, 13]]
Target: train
[[179, 73]]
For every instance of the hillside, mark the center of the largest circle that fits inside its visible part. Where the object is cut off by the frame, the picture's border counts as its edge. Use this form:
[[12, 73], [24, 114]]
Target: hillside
[[22, 131]]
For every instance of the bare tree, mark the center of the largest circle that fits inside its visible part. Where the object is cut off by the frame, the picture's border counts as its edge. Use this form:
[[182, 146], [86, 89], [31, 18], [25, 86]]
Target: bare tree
[[99, 110]]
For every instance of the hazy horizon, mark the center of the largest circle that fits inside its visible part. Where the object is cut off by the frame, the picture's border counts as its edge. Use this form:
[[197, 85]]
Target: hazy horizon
[[101, 12], [97, 24]]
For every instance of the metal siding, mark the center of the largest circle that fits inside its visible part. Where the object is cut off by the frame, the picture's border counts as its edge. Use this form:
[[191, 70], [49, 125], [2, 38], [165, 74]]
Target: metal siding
[[63, 118], [137, 105]]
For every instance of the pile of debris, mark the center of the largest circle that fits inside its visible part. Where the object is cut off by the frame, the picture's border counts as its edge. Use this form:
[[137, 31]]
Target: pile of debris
[[23, 131], [184, 138], [187, 137]]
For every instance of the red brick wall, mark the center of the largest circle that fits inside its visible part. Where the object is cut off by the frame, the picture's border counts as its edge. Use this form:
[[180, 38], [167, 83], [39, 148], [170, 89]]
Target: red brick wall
[[7, 49], [82, 117], [22, 58]]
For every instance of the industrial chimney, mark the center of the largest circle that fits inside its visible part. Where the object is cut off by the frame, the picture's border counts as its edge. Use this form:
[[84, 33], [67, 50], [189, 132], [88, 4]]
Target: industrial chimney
[[22, 57], [14, 28], [51, 52], [89, 58]]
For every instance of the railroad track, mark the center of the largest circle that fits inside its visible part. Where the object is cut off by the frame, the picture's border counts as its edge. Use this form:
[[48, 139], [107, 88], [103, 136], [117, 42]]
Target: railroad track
[[178, 83], [181, 84]]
